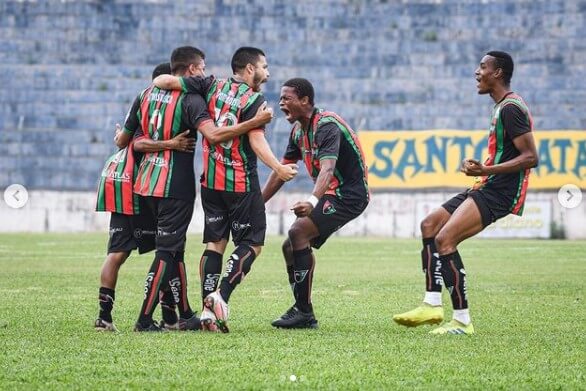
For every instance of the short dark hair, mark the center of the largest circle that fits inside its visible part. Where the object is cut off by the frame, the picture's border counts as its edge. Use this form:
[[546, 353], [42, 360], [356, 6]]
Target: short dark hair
[[162, 69], [182, 57], [504, 61], [302, 88], [244, 56]]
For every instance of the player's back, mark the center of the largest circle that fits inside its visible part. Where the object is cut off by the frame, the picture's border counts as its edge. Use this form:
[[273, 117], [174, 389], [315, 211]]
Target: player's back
[[166, 173], [231, 165]]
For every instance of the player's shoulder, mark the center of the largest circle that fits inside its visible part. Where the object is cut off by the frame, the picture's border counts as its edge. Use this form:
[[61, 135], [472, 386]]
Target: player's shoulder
[[514, 103]]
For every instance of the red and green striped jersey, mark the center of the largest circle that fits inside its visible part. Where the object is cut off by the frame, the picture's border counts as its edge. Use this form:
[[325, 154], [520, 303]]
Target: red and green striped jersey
[[231, 165], [162, 116], [115, 187], [510, 118], [330, 137]]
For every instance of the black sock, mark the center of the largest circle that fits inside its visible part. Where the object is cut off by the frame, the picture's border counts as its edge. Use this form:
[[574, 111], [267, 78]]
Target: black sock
[[303, 274], [106, 299], [291, 275], [454, 277], [210, 270], [183, 306], [431, 266], [237, 268], [168, 306], [156, 279], [288, 255]]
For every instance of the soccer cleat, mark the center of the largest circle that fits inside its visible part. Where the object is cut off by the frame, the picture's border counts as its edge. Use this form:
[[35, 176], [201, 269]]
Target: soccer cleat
[[295, 319], [454, 327], [102, 325], [190, 324], [168, 327], [208, 320], [151, 327], [424, 314], [215, 303]]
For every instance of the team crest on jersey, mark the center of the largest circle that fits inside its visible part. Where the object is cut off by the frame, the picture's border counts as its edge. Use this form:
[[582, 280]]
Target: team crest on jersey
[[328, 208]]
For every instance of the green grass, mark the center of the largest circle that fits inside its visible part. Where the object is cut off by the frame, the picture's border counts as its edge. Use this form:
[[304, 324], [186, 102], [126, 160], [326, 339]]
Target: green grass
[[527, 303]]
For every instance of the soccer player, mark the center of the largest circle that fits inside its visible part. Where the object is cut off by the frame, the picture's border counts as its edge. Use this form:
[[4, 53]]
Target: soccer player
[[129, 229], [501, 191], [230, 189], [166, 177], [333, 157]]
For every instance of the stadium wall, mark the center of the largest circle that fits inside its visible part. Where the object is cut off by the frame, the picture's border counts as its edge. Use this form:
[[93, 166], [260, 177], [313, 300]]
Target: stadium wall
[[70, 69], [394, 215]]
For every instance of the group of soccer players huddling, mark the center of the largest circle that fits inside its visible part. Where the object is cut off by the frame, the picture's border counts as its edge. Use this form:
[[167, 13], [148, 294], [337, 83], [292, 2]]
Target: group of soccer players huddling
[[149, 187]]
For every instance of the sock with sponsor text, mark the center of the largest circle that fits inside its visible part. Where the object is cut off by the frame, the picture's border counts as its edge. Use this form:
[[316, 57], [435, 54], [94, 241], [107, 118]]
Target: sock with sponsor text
[[237, 267], [210, 270]]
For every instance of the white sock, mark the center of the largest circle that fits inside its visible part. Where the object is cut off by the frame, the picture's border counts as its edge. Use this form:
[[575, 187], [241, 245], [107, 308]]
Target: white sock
[[462, 316], [433, 298]]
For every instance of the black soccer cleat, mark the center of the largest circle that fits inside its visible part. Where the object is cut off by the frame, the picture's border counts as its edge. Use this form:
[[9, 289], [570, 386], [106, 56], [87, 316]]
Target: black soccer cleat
[[296, 319], [191, 324], [151, 327]]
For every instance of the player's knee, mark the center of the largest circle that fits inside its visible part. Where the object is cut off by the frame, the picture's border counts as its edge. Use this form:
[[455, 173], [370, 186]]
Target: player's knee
[[444, 244], [428, 227], [296, 236], [118, 258], [286, 247]]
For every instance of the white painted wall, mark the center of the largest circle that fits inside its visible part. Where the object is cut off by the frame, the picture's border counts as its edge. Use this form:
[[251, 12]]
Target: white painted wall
[[388, 215]]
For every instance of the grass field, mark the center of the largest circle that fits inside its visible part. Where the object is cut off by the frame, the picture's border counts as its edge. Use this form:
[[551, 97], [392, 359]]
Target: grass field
[[527, 303]]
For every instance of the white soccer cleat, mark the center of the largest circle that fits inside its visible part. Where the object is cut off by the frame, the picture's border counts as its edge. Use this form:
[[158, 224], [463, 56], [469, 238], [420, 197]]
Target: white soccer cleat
[[215, 303]]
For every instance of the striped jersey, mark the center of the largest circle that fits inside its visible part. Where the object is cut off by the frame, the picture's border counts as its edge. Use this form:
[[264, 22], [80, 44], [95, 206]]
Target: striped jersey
[[115, 193], [330, 137], [163, 115], [510, 118], [232, 165], [116, 182]]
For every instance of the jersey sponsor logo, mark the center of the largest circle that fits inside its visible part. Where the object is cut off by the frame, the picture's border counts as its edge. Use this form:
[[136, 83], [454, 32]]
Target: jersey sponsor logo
[[231, 100], [300, 275], [157, 161], [161, 97], [236, 226], [225, 160], [116, 176], [120, 157], [328, 208]]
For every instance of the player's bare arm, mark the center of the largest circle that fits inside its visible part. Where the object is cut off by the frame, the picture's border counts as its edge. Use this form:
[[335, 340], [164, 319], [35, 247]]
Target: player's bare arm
[[182, 142], [216, 135], [272, 186], [322, 183], [261, 148], [167, 82], [527, 158]]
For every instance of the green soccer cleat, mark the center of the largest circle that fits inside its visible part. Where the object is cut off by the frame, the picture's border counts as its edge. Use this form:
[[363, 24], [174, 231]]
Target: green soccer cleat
[[424, 314], [454, 327]]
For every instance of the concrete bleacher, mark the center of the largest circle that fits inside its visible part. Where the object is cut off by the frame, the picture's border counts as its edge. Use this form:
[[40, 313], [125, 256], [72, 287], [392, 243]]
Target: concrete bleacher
[[70, 69]]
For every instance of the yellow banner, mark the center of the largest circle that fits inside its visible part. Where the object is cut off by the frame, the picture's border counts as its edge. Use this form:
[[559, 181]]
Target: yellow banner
[[431, 158]]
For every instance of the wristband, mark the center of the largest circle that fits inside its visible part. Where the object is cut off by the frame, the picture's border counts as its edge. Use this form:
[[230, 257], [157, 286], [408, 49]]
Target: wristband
[[313, 200]]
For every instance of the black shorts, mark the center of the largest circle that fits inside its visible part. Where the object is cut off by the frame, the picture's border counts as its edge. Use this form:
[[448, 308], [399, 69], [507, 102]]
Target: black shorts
[[242, 214], [492, 204], [132, 232], [331, 213], [173, 216]]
